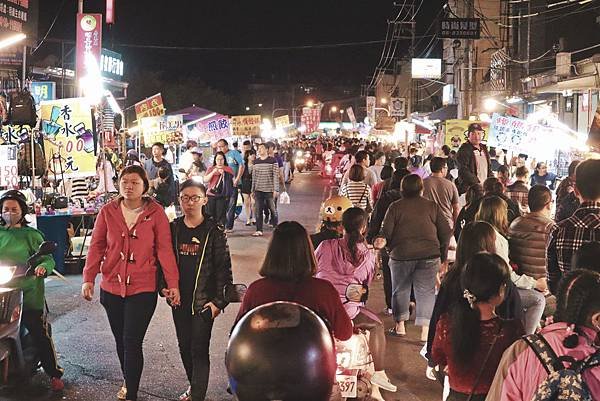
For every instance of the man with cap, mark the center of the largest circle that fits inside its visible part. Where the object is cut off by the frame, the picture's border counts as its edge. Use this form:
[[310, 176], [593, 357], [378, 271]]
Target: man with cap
[[473, 159]]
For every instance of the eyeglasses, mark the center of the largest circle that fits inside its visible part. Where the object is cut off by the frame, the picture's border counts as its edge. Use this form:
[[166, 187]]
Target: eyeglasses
[[194, 199]]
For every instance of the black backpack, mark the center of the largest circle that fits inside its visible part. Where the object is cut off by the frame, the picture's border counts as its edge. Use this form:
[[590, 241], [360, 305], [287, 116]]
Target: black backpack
[[22, 109]]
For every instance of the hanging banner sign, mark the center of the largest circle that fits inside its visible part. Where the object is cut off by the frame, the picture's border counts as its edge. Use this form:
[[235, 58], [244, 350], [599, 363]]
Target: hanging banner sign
[[371, 102], [515, 134], [159, 129], [150, 107], [246, 125], [282, 122], [210, 130], [456, 132], [9, 172], [68, 132], [42, 91], [351, 116], [311, 117], [110, 11], [88, 42], [460, 28]]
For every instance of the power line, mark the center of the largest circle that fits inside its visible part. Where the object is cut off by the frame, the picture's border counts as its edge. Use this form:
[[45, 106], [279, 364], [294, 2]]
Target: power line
[[51, 26]]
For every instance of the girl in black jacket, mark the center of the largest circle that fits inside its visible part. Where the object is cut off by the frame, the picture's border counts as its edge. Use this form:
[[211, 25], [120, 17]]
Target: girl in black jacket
[[205, 270]]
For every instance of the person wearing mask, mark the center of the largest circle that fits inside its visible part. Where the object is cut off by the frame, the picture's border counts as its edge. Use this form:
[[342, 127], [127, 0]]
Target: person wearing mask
[[265, 187], [519, 191], [236, 162], [529, 234], [220, 188], [415, 254], [131, 236], [470, 339], [574, 334], [204, 263], [246, 188], [493, 210], [473, 160], [467, 214], [287, 275], [152, 167], [567, 200], [18, 242], [442, 191], [362, 159], [331, 219], [356, 189], [542, 176], [582, 227], [386, 173], [348, 260], [377, 167]]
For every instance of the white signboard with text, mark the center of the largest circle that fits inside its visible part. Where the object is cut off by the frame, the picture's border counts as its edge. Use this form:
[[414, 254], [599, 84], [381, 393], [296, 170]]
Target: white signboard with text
[[9, 175]]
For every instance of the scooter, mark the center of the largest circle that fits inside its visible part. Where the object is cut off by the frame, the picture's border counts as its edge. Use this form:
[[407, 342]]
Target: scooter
[[300, 161], [17, 349], [354, 360]]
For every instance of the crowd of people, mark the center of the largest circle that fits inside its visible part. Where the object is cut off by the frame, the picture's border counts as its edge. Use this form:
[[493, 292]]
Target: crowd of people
[[500, 279]]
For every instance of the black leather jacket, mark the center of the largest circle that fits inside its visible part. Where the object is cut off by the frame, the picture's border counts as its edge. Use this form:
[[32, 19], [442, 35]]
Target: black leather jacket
[[215, 272]]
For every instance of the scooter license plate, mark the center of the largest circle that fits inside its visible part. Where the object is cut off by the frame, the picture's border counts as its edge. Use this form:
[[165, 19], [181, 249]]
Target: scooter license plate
[[347, 385]]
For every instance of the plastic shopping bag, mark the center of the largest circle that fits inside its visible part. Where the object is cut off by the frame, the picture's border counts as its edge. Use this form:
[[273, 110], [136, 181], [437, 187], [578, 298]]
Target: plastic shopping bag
[[284, 198]]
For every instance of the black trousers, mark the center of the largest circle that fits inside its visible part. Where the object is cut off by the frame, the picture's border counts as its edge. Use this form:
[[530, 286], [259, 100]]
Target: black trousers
[[129, 319], [387, 277], [217, 209], [34, 322], [456, 396], [193, 336]]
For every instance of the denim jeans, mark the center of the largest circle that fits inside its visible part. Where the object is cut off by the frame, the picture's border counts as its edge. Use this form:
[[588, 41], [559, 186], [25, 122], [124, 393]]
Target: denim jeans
[[533, 303], [262, 200], [231, 208], [420, 275]]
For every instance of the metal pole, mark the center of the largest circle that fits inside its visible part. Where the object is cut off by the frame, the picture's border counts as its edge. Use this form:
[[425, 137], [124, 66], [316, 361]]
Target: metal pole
[[528, 36], [80, 7]]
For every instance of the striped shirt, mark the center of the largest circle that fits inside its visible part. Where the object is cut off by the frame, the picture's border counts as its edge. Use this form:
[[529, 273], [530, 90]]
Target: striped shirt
[[265, 175], [359, 193]]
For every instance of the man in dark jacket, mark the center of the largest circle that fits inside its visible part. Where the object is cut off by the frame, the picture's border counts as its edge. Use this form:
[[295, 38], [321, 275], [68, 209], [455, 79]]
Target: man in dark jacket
[[473, 160], [153, 165]]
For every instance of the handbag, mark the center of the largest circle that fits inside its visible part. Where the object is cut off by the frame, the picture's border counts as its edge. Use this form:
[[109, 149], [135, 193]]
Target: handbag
[[284, 198]]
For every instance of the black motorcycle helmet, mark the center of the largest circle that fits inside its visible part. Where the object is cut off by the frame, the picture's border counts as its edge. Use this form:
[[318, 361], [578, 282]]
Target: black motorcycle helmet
[[13, 194], [281, 351]]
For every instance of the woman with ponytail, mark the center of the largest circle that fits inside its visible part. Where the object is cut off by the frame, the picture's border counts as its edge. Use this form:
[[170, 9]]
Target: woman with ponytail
[[348, 260], [575, 334], [471, 338]]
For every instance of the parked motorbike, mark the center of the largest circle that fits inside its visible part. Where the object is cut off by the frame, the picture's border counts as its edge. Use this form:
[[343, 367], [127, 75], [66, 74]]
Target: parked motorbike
[[17, 348], [354, 360]]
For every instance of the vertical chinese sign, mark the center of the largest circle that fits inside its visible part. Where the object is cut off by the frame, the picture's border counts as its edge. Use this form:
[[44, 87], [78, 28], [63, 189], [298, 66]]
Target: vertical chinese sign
[[311, 118], [89, 42], [69, 137]]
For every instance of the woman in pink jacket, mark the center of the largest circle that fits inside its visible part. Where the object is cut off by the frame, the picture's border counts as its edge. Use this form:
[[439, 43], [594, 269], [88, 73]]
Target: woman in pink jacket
[[347, 261], [131, 236], [575, 334]]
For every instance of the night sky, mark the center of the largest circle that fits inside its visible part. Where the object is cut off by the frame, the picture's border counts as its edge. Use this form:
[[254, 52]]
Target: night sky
[[261, 23]]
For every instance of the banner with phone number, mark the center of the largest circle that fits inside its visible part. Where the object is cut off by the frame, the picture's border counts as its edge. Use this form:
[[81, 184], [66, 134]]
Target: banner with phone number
[[69, 137]]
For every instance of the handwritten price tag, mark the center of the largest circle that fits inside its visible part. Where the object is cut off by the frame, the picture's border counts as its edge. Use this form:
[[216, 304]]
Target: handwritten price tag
[[9, 173]]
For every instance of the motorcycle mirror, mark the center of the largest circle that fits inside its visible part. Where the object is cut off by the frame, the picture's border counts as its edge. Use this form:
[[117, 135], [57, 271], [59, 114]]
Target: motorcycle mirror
[[357, 293], [234, 293], [46, 248]]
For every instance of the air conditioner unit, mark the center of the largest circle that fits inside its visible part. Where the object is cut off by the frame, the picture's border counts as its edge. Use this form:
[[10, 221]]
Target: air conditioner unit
[[563, 65]]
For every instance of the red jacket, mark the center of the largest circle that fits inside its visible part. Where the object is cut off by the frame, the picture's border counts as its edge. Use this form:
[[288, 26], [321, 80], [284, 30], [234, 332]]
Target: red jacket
[[127, 258]]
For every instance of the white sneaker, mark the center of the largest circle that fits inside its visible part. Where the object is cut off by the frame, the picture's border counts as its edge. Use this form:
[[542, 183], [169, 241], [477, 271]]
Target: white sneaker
[[380, 379], [257, 234], [376, 394]]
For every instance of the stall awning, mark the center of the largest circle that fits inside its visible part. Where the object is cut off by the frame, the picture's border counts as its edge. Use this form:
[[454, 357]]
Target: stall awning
[[192, 113], [449, 112]]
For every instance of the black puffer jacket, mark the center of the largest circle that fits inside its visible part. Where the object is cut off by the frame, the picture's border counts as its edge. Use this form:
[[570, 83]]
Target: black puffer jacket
[[381, 208], [215, 272]]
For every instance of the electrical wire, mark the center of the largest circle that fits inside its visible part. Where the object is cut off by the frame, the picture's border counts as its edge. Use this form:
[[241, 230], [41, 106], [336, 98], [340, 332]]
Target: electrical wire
[[62, 4]]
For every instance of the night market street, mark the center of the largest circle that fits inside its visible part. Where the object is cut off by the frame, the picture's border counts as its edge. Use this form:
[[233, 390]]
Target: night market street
[[86, 346]]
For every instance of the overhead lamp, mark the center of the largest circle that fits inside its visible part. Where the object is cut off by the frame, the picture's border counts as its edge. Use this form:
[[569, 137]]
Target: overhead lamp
[[489, 104], [310, 103]]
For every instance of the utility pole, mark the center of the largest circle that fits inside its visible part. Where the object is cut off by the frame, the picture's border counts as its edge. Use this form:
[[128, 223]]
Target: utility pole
[[80, 6], [470, 98]]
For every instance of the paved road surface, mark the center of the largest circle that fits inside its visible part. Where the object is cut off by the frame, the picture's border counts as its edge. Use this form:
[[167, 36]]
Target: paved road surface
[[86, 348]]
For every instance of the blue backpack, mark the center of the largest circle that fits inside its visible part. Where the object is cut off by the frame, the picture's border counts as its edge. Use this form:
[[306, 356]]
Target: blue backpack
[[564, 383]]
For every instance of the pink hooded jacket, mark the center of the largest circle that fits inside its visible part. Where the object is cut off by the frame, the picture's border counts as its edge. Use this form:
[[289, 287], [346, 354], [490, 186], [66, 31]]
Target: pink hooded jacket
[[520, 372], [334, 265]]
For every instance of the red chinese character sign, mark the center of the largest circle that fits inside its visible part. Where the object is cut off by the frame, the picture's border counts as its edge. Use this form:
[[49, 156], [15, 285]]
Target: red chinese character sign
[[150, 107], [311, 118]]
